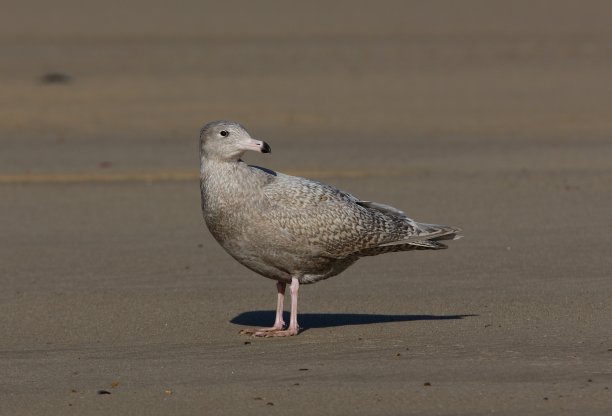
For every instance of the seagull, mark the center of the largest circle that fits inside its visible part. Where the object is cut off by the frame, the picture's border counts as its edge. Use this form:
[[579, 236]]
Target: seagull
[[291, 229]]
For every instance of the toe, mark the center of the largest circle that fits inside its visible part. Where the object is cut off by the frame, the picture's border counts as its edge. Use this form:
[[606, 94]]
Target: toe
[[285, 333]]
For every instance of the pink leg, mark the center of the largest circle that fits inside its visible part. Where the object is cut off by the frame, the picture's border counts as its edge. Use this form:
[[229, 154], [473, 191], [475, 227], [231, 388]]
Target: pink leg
[[293, 328], [278, 322]]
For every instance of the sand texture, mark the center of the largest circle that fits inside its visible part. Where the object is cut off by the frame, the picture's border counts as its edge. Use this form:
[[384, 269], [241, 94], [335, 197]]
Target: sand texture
[[492, 116]]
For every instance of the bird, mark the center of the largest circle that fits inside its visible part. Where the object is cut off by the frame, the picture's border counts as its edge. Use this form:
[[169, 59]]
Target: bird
[[291, 229]]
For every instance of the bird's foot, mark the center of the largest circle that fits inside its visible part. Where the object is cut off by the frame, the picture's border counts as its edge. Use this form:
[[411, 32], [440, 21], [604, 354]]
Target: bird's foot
[[270, 332], [289, 332], [261, 332]]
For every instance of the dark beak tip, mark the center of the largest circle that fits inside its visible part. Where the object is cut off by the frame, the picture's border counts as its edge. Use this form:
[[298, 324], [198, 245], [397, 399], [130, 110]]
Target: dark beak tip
[[265, 148]]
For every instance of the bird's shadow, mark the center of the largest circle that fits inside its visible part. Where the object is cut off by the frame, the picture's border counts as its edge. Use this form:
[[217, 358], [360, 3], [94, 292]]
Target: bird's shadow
[[329, 320]]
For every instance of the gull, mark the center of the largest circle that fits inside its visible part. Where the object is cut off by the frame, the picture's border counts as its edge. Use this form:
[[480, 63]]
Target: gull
[[291, 229]]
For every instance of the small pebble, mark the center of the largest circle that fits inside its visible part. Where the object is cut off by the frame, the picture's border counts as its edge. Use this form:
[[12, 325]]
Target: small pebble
[[270, 404], [247, 342], [104, 392], [303, 369], [427, 384]]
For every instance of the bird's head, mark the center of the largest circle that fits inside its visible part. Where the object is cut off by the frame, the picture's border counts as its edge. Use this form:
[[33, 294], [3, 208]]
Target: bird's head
[[227, 140]]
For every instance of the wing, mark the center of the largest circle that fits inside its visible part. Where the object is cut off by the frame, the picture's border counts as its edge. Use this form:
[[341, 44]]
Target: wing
[[335, 223]]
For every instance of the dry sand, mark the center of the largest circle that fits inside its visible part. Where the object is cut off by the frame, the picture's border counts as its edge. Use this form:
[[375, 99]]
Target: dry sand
[[494, 117]]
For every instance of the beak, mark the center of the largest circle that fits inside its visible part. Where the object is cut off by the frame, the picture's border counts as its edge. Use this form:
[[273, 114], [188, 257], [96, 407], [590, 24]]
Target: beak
[[258, 146]]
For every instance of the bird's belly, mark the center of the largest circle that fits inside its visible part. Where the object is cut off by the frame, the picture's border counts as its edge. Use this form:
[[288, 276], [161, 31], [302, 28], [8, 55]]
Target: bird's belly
[[274, 256]]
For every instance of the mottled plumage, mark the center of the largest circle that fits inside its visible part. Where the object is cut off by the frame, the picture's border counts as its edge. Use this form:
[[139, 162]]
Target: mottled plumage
[[292, 229]]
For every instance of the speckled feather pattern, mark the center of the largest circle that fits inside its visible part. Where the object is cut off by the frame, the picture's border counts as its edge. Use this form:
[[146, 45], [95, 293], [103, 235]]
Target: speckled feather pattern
[[283, 226]]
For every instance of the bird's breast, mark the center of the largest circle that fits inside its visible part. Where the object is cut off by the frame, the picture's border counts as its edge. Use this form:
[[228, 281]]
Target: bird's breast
[[230, 208]]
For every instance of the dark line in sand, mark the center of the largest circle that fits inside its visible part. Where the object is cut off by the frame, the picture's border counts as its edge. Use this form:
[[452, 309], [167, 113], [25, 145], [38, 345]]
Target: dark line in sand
[[170, 176]]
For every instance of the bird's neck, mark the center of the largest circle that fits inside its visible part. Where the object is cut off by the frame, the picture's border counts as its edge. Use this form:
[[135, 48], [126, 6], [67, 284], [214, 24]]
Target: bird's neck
[[215, 169], [226, 181]]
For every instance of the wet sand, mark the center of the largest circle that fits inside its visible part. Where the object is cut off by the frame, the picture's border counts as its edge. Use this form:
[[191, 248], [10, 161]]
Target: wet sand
[[493, 118]]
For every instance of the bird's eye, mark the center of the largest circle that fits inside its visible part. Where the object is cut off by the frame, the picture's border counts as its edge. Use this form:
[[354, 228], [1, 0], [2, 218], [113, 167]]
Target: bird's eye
[[224, 133]]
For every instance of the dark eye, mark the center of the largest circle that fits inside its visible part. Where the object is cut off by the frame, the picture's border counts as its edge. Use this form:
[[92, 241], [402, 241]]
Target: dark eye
[[224, 133]]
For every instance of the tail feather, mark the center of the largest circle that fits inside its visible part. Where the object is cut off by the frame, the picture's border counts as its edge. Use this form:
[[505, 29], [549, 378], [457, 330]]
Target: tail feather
[[428, 232], [425, 237], [424, 245]]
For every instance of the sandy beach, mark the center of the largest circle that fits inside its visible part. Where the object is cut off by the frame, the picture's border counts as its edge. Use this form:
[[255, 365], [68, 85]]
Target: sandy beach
[[493, 117]]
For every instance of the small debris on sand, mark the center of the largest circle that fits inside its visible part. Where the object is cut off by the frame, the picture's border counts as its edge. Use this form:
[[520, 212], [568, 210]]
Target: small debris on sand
[[55, 78]]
